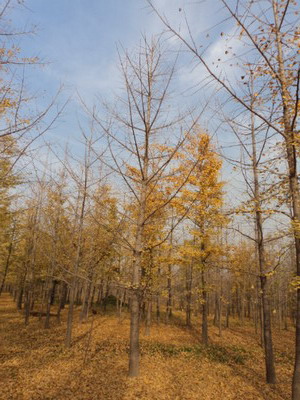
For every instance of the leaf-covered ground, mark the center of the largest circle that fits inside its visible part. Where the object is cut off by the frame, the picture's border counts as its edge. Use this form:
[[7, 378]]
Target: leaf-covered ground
[[174, 365]]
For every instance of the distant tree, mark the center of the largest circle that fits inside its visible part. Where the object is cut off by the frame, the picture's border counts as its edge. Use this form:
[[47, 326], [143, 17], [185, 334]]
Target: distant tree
[[204, 190]]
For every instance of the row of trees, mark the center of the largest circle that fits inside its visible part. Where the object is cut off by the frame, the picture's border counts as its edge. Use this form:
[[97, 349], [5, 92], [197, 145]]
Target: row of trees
[[80, 236], [269, 68], [167, 235]]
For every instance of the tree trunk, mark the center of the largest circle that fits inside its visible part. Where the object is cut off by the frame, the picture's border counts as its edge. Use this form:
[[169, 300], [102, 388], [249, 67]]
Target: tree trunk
[[50, 288], [189, 280], [20, 298], [227, 316], [68, 339], [216, 315], [204, 330], [134, 348], [291, 156], [269, 356], [220, 316], [7, 263], [86, 300], [134, 351], [169, 301], [27, 305], [121, 302], [74, 282], [63, 299], [260, 246], [158, 309], [148, 317]]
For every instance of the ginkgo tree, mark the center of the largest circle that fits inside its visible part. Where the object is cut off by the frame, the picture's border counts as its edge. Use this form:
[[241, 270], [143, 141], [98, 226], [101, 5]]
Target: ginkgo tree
[[20, 125], [8, 181], [269, 32], [201, 202], [144, 135]]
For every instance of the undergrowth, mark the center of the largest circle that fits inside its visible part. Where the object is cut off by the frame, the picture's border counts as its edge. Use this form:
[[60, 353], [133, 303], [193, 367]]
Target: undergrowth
[[214, 352]]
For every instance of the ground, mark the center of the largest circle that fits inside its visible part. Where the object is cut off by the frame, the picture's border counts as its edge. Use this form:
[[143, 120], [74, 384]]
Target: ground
[[174, 365]]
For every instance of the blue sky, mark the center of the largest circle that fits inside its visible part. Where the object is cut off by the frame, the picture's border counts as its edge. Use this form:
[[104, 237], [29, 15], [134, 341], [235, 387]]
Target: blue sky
[[77, 39]]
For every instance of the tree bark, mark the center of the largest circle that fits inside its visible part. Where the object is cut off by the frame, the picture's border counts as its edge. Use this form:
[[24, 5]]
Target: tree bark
[[148, 317], [10, 248], [260, 246], [169, 301], [62, 299], [86, 300], [50, 300], [291, 156], [204, 330], [189, 281]]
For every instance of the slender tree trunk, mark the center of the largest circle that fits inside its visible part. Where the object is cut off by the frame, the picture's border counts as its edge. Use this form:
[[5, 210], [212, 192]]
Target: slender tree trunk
[[220, 306], [134, 348], [20, 298], [63, 299], [78, 295], [169, 301], [204, 330], [134, 351], [51, 283], [267, 329], [242, 302], [28, 286], [291, 156], [189, 282], [49, 298], [74, 282], [68, 339], [227, 316], [269, 356], [169, 282], [27, 305], [100, 294], [158, 308], [121, 302], [220, 317], [10, 248], [92, 300], [216, 314], [148, 316], [86, 300], [285, 314]]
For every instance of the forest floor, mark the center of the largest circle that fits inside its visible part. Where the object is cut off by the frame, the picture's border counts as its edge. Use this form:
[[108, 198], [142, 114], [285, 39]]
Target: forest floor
[[174, 365]]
